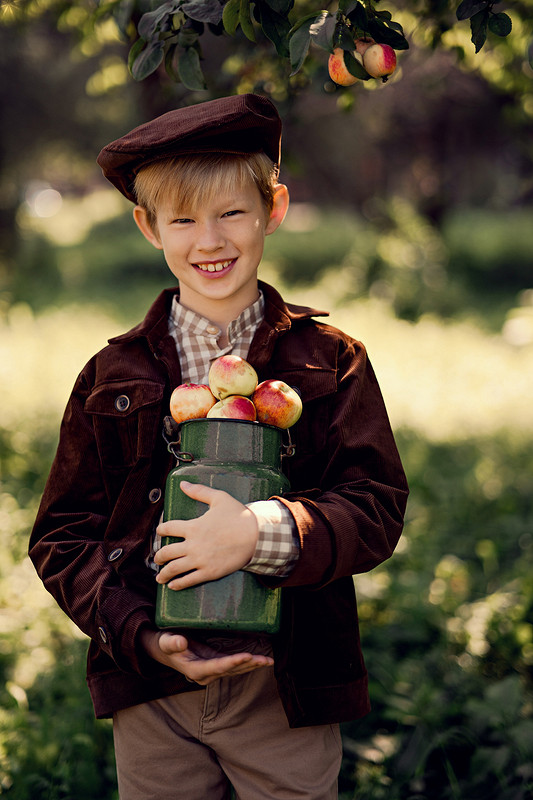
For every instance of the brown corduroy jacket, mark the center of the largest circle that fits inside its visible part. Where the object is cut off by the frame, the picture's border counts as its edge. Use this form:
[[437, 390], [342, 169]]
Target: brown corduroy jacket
[[104, 498]]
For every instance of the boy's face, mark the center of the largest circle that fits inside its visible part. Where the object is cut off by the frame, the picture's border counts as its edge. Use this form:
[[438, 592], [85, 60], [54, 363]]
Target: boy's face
[[214, 251]]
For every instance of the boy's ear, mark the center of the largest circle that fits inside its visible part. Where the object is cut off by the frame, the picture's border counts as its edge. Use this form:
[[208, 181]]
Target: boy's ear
[[141, 218], [279, 208]]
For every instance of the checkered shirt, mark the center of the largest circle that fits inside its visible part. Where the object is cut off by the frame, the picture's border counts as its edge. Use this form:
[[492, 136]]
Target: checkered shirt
[[196, 340]]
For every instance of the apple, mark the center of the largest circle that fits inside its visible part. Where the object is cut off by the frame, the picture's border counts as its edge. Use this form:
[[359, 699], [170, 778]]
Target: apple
[[379, 60], [191, 401], [233, 407], [338, 72], [232, 375], [277, 403], [362, 44]]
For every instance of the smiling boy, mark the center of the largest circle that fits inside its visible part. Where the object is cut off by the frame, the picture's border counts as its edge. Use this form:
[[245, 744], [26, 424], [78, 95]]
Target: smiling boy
[[259, 713]]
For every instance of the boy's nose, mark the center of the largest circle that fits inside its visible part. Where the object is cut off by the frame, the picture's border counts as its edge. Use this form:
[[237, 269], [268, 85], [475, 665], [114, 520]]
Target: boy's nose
[[209, 238]]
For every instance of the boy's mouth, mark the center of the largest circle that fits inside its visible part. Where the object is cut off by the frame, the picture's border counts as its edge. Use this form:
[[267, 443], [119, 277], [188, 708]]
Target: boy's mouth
[[215, 266]]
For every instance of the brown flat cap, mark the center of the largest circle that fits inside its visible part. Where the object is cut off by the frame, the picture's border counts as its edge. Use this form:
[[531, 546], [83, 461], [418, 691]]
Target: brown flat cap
[[245, 123]]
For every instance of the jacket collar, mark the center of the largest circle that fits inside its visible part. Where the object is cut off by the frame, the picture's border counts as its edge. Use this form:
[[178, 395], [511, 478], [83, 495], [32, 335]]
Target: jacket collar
[[279, 315]]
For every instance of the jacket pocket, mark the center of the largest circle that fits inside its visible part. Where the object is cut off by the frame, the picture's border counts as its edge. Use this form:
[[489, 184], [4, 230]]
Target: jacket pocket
[[126, 418], [317, 388]]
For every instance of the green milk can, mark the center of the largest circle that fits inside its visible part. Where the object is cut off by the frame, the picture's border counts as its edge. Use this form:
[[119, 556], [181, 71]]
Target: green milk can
[[244, 459]]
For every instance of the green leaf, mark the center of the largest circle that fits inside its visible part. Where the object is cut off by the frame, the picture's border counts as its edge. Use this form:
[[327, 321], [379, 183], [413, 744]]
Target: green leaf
[[384, 33], [355, 67], [279, 6], [358, 17], [344, 37], [314, 16], [203, 10], [299, 41], [245, 20], [500, 24], [150, 22], [148, 60], [468, 8], [347, 6], [190, 70], [478, 26], [187, 37], [135, 49], [170, 65], [230, 16], [276, 28], [323, 31]]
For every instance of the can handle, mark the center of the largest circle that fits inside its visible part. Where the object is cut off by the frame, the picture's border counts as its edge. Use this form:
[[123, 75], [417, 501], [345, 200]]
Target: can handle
[[289, 449], [172, 436]]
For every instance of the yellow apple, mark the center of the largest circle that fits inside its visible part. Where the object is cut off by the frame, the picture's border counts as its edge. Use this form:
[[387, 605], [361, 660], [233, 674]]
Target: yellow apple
[[190, 401], [232, 375]]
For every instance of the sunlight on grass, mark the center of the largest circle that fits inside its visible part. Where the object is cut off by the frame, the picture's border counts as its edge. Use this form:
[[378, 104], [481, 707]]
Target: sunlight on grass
[[40, 357]]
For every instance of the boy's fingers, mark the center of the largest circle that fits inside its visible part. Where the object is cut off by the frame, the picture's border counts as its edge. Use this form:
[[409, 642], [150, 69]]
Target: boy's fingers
[[172, 643], [197, 491]]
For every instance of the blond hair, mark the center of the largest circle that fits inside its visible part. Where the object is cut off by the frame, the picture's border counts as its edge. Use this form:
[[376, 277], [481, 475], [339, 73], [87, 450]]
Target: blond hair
[[190, 181]]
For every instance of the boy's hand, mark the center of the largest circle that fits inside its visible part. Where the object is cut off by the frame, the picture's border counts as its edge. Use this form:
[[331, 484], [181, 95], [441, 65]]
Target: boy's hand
[[198, 662], [218, 543]]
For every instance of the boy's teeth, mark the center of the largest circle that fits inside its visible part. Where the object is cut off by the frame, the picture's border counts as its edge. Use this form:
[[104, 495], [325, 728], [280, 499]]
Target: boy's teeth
[[218, 267]]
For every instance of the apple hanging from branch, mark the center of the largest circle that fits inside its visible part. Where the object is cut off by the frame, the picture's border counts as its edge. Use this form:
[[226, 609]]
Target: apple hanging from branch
[[379, 60]]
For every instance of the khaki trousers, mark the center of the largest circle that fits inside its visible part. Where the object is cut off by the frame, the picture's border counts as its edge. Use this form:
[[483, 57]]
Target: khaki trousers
[[232, 733]]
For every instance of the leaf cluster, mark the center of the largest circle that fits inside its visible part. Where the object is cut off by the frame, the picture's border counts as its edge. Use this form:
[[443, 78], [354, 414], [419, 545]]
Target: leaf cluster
[[170, 32], [483, 19]]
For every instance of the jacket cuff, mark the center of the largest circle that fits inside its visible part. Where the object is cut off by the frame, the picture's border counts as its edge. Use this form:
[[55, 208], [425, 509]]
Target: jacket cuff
[[316, 558], [119, 624]]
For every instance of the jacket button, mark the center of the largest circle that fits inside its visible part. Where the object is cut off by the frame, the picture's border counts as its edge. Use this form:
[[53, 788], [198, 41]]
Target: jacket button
[[114, 554], [103, 634], [122, 403], [154, 495]]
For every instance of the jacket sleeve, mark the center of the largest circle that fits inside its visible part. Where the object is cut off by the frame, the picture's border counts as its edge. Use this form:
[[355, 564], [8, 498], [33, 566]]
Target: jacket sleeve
[[77, 564], [350, 514]]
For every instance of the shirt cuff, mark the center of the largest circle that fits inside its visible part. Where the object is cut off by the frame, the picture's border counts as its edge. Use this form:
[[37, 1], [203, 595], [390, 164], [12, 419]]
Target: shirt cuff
[[278, 546]]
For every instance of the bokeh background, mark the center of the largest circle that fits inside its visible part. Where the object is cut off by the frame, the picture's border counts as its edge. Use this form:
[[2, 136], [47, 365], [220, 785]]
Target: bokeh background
[[412, 223]]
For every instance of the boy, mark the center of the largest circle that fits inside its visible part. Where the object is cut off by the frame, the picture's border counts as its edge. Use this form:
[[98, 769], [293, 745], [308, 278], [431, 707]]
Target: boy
[[259, 713]]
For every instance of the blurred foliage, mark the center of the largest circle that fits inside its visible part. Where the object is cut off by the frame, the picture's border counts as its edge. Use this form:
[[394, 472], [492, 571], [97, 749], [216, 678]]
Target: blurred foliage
[[474, 262], [447, 629]]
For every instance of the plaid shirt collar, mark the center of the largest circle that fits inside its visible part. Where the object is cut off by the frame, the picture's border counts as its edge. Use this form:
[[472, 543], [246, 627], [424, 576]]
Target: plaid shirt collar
[[197, 338]]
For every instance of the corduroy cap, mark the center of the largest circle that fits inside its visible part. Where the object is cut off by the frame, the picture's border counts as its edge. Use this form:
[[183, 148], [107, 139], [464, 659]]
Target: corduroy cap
[[245, 123]]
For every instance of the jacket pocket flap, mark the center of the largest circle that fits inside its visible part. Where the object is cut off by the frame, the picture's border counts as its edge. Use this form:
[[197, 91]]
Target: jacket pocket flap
[[310, 382], [122, 398]]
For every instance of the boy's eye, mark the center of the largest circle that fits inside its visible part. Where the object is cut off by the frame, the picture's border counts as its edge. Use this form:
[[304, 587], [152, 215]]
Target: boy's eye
[[232, 213], [181, 221]]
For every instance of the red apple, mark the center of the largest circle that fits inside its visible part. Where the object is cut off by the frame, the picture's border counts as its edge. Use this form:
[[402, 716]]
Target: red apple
[[362, 44], [232, 375], [276, 403], [233, 407], [337, 69], [190, 401], [379, 60]]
